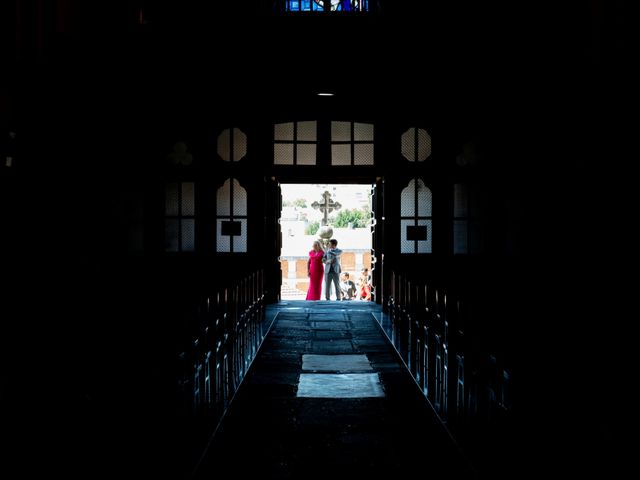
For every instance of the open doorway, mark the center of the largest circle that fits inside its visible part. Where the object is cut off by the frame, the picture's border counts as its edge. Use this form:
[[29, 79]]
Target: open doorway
[[347, 210]]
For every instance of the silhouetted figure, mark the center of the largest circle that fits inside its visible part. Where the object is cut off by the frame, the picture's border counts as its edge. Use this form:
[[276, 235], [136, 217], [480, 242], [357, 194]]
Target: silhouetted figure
[[332, 269], [315, 270]]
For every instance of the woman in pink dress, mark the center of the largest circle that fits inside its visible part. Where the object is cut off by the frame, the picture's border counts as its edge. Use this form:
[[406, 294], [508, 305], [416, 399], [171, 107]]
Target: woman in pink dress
[[315, 271]]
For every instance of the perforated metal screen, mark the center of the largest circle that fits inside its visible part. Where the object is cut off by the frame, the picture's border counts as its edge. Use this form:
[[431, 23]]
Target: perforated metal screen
[[363, 154], [223, 199], [188, 235], [363, 132], [232, 143], [460, 236], [283, 153], [424, 246], [239, 199], [179, 217], [295, 143], [307, 131], [240, 242], [352, 143], [415, 145], [172, 199], [424, 200], [171, 232], [283, 132], [408, 201], [424, 145], [416, 224], [341, 154], [188, 199], [306, 154], [224, 145], [460, 200], [231, 228], [467, 226], [223, 242], [340, 131], [239, 144]]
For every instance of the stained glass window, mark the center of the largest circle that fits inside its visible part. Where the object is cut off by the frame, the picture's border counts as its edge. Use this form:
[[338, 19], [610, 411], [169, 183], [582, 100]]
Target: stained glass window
[[319, 5], [231, 217], [180, 217], [416, 222]]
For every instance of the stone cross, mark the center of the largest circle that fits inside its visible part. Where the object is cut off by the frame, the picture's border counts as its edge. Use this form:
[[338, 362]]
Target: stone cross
[[327, 206]]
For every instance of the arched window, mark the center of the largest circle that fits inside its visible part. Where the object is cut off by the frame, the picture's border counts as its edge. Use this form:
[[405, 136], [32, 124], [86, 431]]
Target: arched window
[[351, 143], [415, 218], [231, 217], [416, 145], [232, 145], [179, 226], [295, 143]]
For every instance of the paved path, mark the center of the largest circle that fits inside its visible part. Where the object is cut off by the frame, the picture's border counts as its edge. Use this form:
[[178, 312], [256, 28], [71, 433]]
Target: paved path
[[328, 398]]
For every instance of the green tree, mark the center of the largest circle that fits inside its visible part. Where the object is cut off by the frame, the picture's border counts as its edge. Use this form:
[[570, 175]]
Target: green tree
[[312, 228], [300, 202], [360, 218]]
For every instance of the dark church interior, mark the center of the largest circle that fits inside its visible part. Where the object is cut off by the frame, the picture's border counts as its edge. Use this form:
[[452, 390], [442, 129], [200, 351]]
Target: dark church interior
[[142, 327]]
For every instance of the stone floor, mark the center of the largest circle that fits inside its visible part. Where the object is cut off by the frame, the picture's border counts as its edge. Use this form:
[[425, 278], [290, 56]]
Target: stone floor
[[327, 397]]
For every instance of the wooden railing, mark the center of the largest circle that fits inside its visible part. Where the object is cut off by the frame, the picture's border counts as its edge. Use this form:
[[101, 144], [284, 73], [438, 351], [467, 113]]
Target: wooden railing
[[461, 371], [222, 335]]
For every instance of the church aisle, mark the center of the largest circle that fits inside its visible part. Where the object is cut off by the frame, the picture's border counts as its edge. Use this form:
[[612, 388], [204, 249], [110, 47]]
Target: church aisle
[[327, 397]]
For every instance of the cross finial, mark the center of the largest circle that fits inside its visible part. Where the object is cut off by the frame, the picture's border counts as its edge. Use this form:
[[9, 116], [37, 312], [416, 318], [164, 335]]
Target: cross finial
[[327, 206]]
